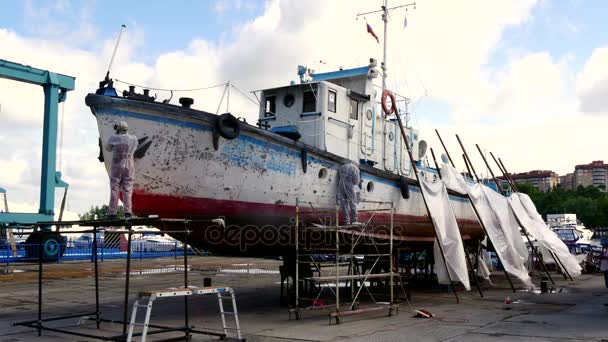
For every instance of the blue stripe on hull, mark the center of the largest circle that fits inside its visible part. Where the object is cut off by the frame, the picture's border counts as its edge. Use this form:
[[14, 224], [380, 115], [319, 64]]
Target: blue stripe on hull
[[283, 169]]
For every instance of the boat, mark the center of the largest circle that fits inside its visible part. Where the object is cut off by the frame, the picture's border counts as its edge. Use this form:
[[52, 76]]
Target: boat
[[198, 165], [261, 180]]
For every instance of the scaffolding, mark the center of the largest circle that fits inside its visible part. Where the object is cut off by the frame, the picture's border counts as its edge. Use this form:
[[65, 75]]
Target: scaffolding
[[359, 258], [97, 226]]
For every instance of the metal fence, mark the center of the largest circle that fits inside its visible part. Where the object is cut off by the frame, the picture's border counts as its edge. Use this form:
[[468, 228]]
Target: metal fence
[[84, 251]]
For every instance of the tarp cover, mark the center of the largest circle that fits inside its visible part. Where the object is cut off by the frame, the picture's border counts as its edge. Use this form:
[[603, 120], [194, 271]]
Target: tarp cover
[[448, 234], [549, 241], [499, 221]]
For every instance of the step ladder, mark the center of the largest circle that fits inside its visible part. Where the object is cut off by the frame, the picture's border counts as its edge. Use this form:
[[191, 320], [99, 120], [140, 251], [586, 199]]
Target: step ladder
[[180, 292], [234, 313]]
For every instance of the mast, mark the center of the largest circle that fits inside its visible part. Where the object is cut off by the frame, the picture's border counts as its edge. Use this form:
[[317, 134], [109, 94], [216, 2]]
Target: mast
[[384, 43], [385, 11]]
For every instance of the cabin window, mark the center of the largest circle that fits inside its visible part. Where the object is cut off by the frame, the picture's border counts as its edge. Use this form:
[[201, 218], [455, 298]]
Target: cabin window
[[331, 101], [289, 100], [309, 102], [271, 106], [354, 109]]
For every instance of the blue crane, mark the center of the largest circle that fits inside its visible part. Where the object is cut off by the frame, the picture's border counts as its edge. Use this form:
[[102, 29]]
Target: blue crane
[[55, 88]]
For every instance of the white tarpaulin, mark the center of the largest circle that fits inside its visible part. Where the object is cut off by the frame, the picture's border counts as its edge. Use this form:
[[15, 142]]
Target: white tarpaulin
[[499, 221], [443, 217], [549, 241]]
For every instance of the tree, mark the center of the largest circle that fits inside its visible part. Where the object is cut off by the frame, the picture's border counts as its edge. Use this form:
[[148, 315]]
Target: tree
[[96, 213], [590, 204]]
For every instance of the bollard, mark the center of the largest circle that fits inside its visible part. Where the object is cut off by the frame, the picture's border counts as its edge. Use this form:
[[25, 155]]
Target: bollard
[[206, 282], [507, 305], [543, 285]]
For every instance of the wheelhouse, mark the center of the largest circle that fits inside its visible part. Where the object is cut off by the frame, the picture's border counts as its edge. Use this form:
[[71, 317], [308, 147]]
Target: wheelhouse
[[339, 112]]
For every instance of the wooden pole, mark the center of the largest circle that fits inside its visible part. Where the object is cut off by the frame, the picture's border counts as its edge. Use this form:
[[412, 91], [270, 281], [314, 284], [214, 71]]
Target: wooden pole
[[523, 229], [426, 205], [499, 188], [479, 216], [65, 193], [504, 174], [467, 165], [444, 148], [510, 180], [466, 155], [508, 175], [465, 251]]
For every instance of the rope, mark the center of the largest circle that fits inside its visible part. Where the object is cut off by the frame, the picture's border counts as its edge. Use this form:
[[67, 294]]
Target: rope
[[247, 97], [163, 89]]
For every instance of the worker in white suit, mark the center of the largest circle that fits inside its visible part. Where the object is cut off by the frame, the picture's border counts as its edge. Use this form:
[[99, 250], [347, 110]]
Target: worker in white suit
[[348, 178], [122, 169]]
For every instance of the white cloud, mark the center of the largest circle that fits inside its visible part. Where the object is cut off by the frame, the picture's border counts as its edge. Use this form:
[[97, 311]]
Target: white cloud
[[12, 170], [592, 83], [224, 6], [518, 109]]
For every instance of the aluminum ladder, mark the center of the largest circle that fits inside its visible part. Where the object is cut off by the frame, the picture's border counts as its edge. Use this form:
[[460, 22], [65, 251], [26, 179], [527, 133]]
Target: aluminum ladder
[[234, 312], [180, 292]]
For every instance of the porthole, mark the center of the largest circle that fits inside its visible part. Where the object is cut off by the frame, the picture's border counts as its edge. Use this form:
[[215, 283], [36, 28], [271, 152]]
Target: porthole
[[391, 136], [289, 100], [368, 114], [370, 186], [323, 173]]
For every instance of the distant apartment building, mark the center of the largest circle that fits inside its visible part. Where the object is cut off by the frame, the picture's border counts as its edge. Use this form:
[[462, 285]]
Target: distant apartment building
[[567, 181], [544, 180], [594, 173]]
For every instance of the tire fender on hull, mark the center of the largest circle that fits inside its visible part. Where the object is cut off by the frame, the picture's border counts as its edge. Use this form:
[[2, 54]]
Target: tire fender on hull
[[228, 126], [404, 187]]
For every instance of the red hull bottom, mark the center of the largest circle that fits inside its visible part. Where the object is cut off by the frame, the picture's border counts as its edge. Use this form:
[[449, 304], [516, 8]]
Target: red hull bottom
[[268, 229]]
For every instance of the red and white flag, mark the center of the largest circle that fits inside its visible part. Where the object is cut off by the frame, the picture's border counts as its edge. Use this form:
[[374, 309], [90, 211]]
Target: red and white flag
[[371, 31]]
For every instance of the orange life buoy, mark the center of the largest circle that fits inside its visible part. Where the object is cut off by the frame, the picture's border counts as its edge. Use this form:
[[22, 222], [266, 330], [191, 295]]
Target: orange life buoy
[[387, 93]]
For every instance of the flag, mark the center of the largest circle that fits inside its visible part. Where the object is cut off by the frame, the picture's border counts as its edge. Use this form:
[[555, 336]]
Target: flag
[[371, 31]]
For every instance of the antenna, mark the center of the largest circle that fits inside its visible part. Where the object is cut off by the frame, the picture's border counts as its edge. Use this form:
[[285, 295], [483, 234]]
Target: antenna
[[385, 12], [115, 48], [322, 62]]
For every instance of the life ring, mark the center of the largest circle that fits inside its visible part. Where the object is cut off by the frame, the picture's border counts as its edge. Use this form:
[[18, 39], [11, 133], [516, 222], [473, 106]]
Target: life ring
[[385, 94], [404, 187], [228, 126]]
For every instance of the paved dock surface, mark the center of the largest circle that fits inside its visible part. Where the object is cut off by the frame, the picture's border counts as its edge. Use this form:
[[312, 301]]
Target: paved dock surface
[[578, 311]]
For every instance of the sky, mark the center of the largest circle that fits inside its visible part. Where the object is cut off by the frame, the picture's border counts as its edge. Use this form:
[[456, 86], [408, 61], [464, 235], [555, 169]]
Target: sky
[[525, 79]]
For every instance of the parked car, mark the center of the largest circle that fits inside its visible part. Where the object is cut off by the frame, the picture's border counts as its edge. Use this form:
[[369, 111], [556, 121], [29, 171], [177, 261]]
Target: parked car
[[155, 244], [86, 241]]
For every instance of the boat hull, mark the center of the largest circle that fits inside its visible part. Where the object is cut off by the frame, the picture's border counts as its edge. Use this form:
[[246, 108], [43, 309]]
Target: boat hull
[[254, 181]]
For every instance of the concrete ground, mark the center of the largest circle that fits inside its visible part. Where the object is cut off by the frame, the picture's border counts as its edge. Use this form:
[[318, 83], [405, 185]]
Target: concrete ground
[[576, 312]]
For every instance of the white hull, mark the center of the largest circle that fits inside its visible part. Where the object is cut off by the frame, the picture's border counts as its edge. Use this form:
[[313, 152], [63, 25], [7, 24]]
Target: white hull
[[255, 176]]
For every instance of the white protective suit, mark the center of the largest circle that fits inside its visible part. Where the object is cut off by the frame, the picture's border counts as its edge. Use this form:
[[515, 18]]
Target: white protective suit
[[348, 178], [122, 170]]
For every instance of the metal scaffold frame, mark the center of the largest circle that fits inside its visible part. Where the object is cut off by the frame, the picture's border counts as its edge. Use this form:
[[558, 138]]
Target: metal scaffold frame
[[94, 227], [352, 238]]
